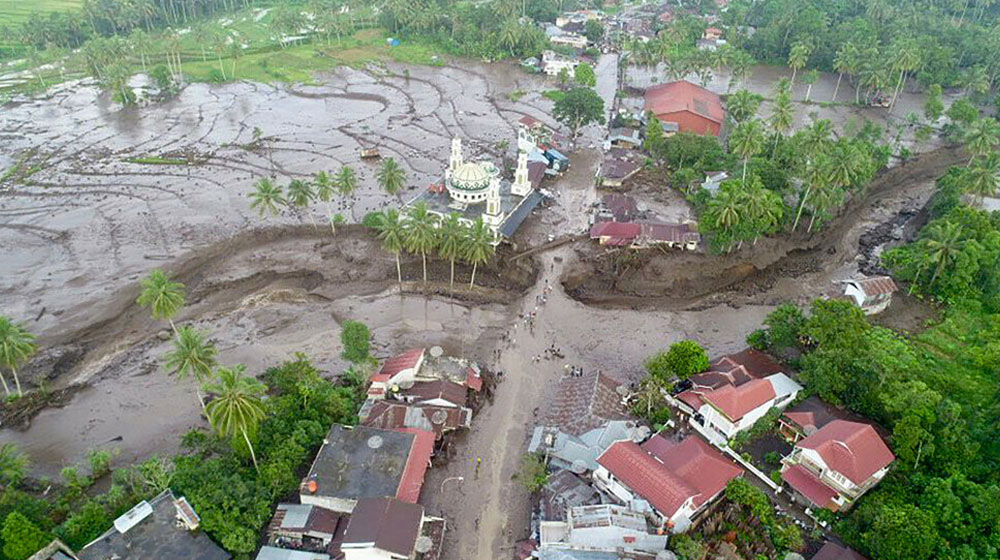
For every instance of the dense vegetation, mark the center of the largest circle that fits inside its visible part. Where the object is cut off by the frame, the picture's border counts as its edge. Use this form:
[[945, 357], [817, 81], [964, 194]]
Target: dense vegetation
[[935, 391]]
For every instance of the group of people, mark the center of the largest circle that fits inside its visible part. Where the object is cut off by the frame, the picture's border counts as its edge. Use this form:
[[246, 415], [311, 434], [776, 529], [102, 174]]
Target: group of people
[[574, 371]]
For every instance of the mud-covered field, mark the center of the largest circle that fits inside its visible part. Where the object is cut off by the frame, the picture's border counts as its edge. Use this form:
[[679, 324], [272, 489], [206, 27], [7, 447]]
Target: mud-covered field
[[80, 225]]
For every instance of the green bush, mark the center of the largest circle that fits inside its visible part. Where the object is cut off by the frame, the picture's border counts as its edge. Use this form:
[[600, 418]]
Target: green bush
[[776, 477], [85, 525], [356, 338], [21, 538]]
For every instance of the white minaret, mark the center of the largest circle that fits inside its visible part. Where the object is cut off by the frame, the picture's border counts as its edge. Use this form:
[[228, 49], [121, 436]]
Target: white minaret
[[456, 154], [493, 215], [521, 186]]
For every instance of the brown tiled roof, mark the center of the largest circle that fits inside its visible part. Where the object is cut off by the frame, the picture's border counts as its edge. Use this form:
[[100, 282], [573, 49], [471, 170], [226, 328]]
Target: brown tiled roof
[[584, 403], [853, 449], [736, 402], [621, 206], [440, 389], [389, 523], [876, 285], [756, 363], [696, 462], [684, 96], [833, 551], [619, 168], [647, 477], [806, 483]]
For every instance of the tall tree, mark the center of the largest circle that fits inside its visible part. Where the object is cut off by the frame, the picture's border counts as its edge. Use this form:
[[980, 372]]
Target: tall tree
[[747, 140], [323, 186], [421, 232], [237, 409], [17, 345], [982, 136], [844, 63], [798, 57], [453, 235], [983, 176], [393, 235], [743, 105], [267, 197], [193, 356], [817, 176], [479, 246], [13, 464], [579, 107], [300, 194], [162, 296]]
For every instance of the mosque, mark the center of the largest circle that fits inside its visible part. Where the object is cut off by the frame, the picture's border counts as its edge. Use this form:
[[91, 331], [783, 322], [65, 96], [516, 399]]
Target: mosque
[[476, 189]]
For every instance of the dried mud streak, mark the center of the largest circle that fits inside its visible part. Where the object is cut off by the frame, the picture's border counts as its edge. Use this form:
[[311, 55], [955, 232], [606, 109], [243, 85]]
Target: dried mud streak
[[714, 279]]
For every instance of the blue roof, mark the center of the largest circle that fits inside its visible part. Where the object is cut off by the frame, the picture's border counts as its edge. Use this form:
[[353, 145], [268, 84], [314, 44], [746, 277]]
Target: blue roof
[[510, 225], [556, 154]]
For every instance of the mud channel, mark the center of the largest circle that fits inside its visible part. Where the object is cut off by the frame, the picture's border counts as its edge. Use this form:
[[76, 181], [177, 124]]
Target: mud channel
[[80, 230]]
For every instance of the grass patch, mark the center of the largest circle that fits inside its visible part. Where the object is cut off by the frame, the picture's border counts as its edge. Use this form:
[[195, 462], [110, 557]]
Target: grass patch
[[157, 160], [17, 11], [553, 94], [516, 94]]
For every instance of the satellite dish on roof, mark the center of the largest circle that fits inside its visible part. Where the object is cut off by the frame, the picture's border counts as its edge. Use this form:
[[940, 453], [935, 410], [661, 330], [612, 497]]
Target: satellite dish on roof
[[423, 545], [437, 351], [794, 556], [439, 417], [375, 442], [406, 381], [641, 433], [579, 466]]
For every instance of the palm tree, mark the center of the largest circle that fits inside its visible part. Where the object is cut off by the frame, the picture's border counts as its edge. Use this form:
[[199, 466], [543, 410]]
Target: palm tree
[[981, 137], [942, 245], [453, 236], [393, 235], [797, 58], [324, 191], [809, 79], [237, 408], [817, 176], [391, 177], [479, 246], [747, 140], [906, 58], [845, 163], [192, 355], [13, 464], [824, 197], [816, 139], [844, 62], [267, 197], [300, 194], [163, 297], [347, 184], [983, 180], [17, 345], [421, 232], [724, 210], [742, 105], [783, 116]]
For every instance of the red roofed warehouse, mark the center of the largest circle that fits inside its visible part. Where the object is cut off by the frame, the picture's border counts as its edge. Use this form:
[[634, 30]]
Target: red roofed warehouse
[[675, 479], [833, 467], [692, 108]]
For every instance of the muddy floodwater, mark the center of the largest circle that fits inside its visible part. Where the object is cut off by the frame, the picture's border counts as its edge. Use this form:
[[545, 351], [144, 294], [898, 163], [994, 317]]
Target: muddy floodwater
[[86, 222]]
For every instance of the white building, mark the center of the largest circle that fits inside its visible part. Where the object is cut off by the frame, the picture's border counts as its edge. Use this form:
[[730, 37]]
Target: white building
[[554, 63], [601, 527], [873, 294], [570, 40]]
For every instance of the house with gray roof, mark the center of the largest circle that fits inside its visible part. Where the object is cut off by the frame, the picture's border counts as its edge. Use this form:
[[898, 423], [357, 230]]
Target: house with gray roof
[[584, 419], [164, 527]]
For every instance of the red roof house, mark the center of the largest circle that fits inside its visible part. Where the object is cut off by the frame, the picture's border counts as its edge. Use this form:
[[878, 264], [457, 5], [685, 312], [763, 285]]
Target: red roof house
[[416, 465], [833, 551], [407, 360], [691, 107], [837, 464], [675, 478]]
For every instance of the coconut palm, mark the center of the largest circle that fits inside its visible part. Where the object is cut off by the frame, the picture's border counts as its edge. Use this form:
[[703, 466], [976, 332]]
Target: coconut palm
[[391, 177], [393, 235], [942, 245], [981, 137], [13, 464], [817, 137], [817, 176], [747, 140], [17, 345], [824, 197], [844, 63], [267, 197], [845, 164], [809, 79], [742, 105], [421, 234], [163, 297], [797, 58], [906, 58], [192, 356], [237, 409], [479, 246], [347, 184], [982, 176], [300, 194], [453, 236], [324, 187], [783, 116]]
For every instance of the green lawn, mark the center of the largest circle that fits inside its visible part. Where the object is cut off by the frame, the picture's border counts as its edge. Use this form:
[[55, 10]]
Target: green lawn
[[16, 11]]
